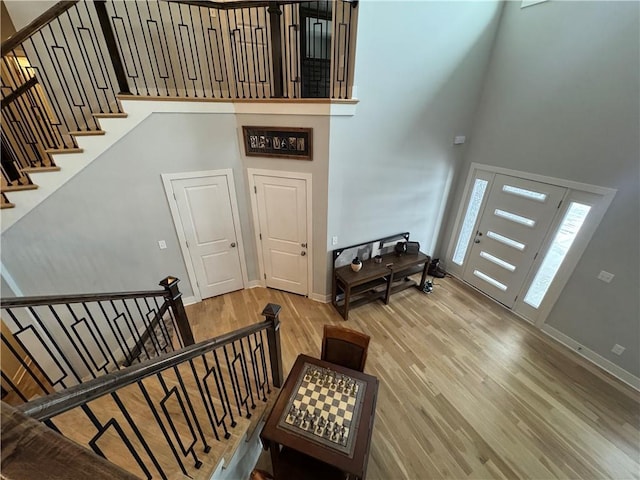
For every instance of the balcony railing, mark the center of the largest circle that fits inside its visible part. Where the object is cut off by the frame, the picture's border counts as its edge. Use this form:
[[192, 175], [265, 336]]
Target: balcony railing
[[70, 64]]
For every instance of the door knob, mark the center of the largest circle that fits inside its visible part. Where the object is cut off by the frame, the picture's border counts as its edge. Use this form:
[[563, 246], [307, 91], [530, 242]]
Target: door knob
[[233, 244], [303, 245], [303, 253], [476, 241]]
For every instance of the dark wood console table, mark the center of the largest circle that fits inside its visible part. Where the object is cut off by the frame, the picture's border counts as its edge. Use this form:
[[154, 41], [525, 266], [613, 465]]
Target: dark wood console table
[[376, 280]]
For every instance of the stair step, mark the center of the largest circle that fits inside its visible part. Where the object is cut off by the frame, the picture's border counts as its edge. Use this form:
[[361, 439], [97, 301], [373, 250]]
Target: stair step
[[40, 169], [110, 115], [18, 188], [7, 205], [57, 151], [86, 133]]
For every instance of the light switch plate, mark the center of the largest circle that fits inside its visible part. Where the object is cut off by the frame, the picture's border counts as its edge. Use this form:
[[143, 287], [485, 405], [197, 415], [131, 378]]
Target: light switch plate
[[334, 240], [162, 244], [605, 276], [459, 139], [618, 349]]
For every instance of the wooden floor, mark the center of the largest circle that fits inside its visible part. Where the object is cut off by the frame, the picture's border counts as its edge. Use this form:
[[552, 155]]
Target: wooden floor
[[467, 390]]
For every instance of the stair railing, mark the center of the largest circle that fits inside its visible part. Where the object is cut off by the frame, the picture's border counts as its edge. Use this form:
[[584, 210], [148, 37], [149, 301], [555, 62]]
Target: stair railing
[[56, 342], [168, 413], [71, 64]]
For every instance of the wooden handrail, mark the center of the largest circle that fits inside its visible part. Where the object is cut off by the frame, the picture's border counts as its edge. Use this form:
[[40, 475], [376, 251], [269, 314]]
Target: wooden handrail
[[89, 297], [33, 27], [55, 404], [233, 5], [29, 448]]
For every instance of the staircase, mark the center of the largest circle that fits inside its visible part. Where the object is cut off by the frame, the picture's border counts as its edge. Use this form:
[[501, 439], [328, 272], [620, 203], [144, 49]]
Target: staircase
[[65, 75], [184, 413]]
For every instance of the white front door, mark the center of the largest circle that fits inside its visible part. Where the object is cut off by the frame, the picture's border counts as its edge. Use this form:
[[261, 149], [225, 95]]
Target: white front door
[[207, 218], [281, 205], [512, 227]]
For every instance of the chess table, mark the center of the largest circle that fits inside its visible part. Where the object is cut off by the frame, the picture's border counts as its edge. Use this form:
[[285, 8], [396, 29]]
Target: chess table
[[325, 411]]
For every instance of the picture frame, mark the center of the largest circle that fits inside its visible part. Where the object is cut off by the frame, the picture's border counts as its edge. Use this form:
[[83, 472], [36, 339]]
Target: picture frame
[[281, 142]]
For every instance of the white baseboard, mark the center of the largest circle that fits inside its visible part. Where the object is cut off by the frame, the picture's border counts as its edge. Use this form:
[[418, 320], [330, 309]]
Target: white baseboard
[[255, 283], [318, 297], [190, 300], [595, 358]]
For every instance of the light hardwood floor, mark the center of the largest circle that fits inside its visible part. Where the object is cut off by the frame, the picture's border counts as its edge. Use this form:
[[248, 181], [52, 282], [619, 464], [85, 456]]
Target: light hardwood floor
[[467, 390]]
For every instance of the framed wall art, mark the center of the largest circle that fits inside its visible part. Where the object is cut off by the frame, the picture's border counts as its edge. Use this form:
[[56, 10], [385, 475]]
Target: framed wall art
[[282, 142]]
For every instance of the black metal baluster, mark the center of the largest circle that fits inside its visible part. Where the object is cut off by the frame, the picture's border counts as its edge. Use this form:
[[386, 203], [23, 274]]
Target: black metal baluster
[[224, 69], [234, 56], [135, 46], [93, 443], [146, 45], [112, 47], [224, 387], [165, 333], [83, 342], [42, 123], [148, 327], [198, 61], [85, 361], [99, 332], [21, 106], [37, 319], [135, 332], [204, 400], [138, 434], [89, 122], [118, 45], [51, 425], [53, 99], [167, 393], [110, 97], [90, 72], [166, 42], [155, 414], [264, 361], [22, 329], [187, 397], [184, 81], [347, 41], [245, 371], [121, 340], [206, 54]]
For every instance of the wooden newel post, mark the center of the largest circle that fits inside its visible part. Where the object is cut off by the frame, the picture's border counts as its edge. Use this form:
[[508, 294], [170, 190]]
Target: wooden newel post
[[276, 48], [112, 46], [271, 312], [174, 297]]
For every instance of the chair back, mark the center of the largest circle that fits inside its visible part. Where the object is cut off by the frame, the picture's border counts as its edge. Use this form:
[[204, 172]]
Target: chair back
[[345, 347]]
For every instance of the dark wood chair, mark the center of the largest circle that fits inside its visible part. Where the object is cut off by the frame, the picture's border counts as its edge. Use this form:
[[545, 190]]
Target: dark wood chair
[[345, 347]]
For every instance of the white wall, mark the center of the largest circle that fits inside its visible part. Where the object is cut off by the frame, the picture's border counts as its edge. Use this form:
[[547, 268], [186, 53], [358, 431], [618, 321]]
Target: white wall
[[419, 72], [561, 99], [100, 231]]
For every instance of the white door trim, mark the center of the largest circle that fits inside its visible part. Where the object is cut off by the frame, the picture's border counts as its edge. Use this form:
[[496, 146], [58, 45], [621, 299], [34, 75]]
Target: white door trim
[[576, 251], [167, 178], [251, 172]]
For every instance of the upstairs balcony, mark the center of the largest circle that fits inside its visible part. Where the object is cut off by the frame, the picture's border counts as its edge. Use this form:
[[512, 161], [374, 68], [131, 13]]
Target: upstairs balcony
[[69, 67]]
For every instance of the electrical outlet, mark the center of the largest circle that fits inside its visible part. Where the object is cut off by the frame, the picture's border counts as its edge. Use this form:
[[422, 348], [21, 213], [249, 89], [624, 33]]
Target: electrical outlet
[[334, 240], [605, 276], [162, 244], [618, 349], [459, 139]]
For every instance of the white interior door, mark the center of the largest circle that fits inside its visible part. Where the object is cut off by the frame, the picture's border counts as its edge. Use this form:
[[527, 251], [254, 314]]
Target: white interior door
[[510, 232], [207, 218], [281, 205]]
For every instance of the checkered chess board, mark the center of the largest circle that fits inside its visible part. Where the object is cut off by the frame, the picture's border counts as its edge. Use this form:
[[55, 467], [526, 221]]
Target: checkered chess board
[[325, 408]]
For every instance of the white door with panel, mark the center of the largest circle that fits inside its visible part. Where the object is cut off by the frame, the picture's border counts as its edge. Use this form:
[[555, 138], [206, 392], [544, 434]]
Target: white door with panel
[[207, 218], [281, 205], [512, 227]]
